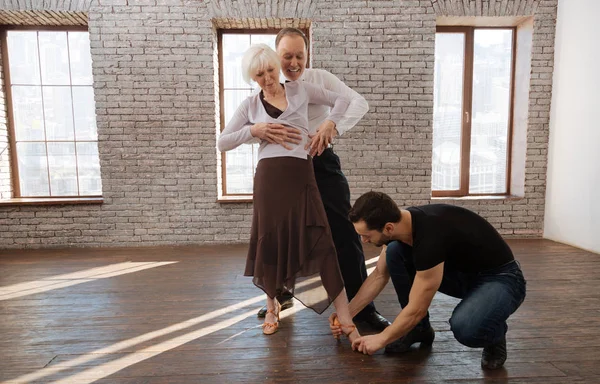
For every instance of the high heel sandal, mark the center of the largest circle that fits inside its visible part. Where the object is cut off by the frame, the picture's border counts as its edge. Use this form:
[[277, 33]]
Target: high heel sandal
[[342, 326], [271, 328]]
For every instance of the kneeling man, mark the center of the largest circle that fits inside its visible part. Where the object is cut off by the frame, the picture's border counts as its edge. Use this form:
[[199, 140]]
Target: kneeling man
[[430, 248]]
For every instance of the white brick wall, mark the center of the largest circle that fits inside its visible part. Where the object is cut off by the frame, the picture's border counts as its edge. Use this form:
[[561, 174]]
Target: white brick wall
[[155, 94]]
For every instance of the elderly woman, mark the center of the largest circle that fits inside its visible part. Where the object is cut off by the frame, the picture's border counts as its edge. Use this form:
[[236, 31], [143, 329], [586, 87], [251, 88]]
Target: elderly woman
[[291, 248]]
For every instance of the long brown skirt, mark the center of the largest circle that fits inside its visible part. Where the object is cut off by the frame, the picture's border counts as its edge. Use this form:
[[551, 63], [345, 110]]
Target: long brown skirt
[[291, 248]]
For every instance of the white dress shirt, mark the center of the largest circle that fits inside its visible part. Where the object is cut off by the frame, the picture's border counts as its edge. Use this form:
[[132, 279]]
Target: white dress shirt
[[318, 113]]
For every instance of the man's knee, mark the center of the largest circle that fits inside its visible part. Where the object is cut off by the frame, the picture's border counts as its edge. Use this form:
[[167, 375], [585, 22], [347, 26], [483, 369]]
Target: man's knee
[[394, 256], [466, 331]]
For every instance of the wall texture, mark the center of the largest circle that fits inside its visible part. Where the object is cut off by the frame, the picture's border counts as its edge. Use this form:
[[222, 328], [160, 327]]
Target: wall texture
[[572, 209], [155, 96]]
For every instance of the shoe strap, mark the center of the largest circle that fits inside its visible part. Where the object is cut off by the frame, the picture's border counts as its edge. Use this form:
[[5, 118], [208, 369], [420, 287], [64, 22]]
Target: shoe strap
[[273, 312], [351, 326]]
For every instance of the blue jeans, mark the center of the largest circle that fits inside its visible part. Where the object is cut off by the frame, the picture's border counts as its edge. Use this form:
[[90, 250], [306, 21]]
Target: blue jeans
[[488, 298]]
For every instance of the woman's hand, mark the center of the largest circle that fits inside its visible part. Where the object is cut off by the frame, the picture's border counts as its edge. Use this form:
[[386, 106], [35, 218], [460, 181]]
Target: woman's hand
[[324, 136], [276, 134]]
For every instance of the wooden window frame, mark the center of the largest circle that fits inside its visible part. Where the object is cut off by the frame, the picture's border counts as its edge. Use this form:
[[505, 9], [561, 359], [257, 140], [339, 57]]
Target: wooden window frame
[[237, 197], [467, 105], [14, 169]]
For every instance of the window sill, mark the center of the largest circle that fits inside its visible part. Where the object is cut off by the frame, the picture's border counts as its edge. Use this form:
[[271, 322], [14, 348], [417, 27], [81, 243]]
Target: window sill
[[51, 201], [234, 199], [477, 198]]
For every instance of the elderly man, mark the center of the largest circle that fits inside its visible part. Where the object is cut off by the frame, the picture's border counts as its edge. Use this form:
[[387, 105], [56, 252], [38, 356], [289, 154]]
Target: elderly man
[[431, 248], [292, 47]]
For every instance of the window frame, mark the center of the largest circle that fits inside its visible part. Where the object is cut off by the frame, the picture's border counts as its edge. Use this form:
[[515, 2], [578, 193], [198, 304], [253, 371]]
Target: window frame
[[237, 197], [467, 106], [17, 199]]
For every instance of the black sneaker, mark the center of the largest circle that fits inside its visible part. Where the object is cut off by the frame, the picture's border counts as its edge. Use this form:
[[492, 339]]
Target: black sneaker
[[425, 336], [494, 356], [286, 303]]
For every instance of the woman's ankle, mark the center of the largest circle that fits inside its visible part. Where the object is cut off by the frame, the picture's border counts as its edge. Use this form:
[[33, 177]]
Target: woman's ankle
[[351, 332], [270, 318], [346, 320]]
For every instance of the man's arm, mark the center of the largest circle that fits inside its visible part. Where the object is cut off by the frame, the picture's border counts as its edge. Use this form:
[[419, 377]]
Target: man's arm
[[368, 291], [358, 105], [328, 130], [371, 287], [321, 96], [424, 287]]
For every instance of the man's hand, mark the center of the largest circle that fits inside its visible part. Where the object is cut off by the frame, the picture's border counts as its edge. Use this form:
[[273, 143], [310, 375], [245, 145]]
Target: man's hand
[[369, 344], [324, 136], [276, 134], [335, 326]]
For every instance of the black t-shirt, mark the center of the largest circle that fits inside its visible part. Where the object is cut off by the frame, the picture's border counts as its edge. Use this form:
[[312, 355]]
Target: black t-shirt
[[461, 238]]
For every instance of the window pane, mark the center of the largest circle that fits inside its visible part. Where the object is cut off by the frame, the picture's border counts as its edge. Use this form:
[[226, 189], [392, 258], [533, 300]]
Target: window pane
[[27, 111], [492, 63], [23, 57], [240, 169], [88, 167], [240, 164], [447, 111], [58, 113], [33, 169], [63, 169], [234, 46], [47, 117], [81, 58], [54, 58], [263, 39], [84, 109]]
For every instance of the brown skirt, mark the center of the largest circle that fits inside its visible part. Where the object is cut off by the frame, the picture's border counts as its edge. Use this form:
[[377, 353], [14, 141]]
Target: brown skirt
[[291, 248]]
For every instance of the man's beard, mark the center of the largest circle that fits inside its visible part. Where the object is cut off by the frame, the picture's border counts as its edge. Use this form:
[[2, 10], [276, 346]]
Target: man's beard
[[385, 240]]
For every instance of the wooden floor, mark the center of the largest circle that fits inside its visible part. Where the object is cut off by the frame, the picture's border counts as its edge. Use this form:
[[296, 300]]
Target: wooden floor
[[186, 315]]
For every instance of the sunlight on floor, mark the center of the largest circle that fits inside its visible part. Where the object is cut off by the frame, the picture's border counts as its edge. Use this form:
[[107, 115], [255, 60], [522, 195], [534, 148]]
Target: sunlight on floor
[[70, 279], [106, 369], [158, 348]]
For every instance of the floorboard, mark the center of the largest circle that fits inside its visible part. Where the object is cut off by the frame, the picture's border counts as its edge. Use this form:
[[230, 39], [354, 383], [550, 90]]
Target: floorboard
[[187, 315]]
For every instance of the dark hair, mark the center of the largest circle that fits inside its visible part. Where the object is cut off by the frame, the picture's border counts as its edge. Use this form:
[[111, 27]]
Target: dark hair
[[291, 32], [375, 209]]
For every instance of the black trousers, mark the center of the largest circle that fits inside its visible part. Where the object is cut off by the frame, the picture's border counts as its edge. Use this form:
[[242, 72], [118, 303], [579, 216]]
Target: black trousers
[[335, 193]]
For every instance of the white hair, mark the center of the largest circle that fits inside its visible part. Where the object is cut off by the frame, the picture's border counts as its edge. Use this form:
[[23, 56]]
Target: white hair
[[258, 57]]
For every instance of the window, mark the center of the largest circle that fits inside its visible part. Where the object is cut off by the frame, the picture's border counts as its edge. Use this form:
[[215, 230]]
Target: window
[[52, 134], [238, 166], [472, 111]]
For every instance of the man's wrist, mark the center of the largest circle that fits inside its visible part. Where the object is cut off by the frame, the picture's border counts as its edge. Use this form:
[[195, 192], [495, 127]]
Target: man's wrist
[[387, 336]]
